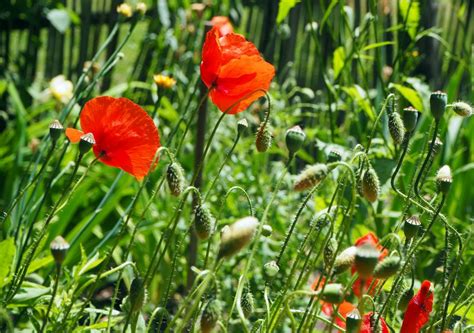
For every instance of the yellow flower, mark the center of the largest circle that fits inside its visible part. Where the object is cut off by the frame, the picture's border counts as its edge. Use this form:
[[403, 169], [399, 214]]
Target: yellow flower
[[124, 10], [164, 81], [141, 8], [61, 89]]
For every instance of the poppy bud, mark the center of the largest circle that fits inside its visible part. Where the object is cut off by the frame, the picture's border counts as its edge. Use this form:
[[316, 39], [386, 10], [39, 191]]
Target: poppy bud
[[247, 303], [55, 130], [210, 315], [271, 268], [294, 139], [141, 8], [137, 294], [237, 236], [263, 140], [411, 227], [86, 143], [353, 321], [59, 247], [267, 230], [175, 178], [334, 156], [124, 10], [405, 299], [329, 251], [345, 260], [333, 293], [462, 108], [410, 118], [203, 221], [370, 185], [438, 102], [242, 125], [396, 127], [366, 258], [444, 179], [310, 177], [387, 267]]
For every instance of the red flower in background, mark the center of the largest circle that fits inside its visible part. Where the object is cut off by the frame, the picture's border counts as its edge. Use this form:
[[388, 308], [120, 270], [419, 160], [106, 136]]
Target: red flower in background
[[343, 309], [371, 239], [126, 137], [222, 23], [233, 70], [418, 310], [368, 322]]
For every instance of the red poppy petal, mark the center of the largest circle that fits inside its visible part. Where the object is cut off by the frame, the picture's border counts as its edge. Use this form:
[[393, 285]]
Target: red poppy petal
[[93, 115], [222, 23], [368, 238], [235, 46], [366, 326], [211, 57], [74, 135]]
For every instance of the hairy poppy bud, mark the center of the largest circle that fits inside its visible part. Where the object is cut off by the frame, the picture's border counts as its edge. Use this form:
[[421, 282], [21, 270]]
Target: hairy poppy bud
[[242, 125], [333, 293], [271, 268], [396, 128], [353, 321], [137, 294], [86, 143], [175, 178], [237, 236], [405, 299], [366, 258], [263, 140], [124, 10], [203, 221], [247, 303], [370, 185], [387, 267], [334, 156], [411, 227], [438, 102], [294, 139], [345, 260], [462, 108], [310, 177], [267, 230], [329, 251], [444, 179], [410, 118], [59, 247], [210, 315], [55, 130]]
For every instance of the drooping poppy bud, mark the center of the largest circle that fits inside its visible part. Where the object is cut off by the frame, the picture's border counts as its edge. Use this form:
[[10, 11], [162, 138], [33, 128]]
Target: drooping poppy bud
[[444, 179], [271, 268], [242, 125], [411, 227], [396, 128], [311, 177], [210, 315], [59, 247], [263, 139], [86, 143], [55, 130], [370, 185], [294, 139], [267, 230], [137, 294], [247, 303], [353, 321], [462, 108], [334, 156], [237, 236], [175, 178], [203, 221], [333, 293], [345, 260], [387, 267], [366, 258], [410, 118], [438, 102]]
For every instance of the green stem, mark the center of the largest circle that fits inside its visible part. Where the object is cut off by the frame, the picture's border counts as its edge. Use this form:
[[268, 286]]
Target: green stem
[[50, 305], [425, 162]]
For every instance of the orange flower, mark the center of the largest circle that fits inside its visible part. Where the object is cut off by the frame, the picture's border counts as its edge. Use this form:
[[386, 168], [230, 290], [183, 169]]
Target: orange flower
[[343, 309], [367, 324], [418, 310], [126, 137], [234, 71], [222, 23]]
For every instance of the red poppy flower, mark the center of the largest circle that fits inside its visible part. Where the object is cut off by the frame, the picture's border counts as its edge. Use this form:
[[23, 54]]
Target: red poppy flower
[[234, 71], [126, 137], [222, 23], [368, 322], [418, 310], [343, 309]]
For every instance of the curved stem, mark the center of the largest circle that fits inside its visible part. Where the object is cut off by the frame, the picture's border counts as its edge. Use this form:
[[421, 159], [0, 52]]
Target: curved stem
[[425, 162]]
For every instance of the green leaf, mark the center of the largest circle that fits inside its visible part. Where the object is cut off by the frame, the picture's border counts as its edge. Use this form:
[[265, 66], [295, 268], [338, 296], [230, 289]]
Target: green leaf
[[7, 250], [284, 8], [376, 45], [328, 12], [410, 95], [338, 61], [410, 12], [361, 98], [60, 19]]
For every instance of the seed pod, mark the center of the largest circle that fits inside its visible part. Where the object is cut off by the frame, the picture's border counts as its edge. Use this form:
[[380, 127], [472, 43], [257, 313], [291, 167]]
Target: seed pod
[[242, 125], [86, 143], [210, 315], [267, 230], [444, 179], [333, 293], [387, 267], [137, 294], [237, 236], [410, 118], [59, 247], [353, 321], [247, 303], [411, 227], [438, 102], [396, 128], [345, 260], [175, 178], [462, 108], [334, 156], [366, 258], [55, 130], [405, 299], [370, 186], [271, 268], [203, 221], [310, 177], [294, 139], [263, 140], [329, 251]]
